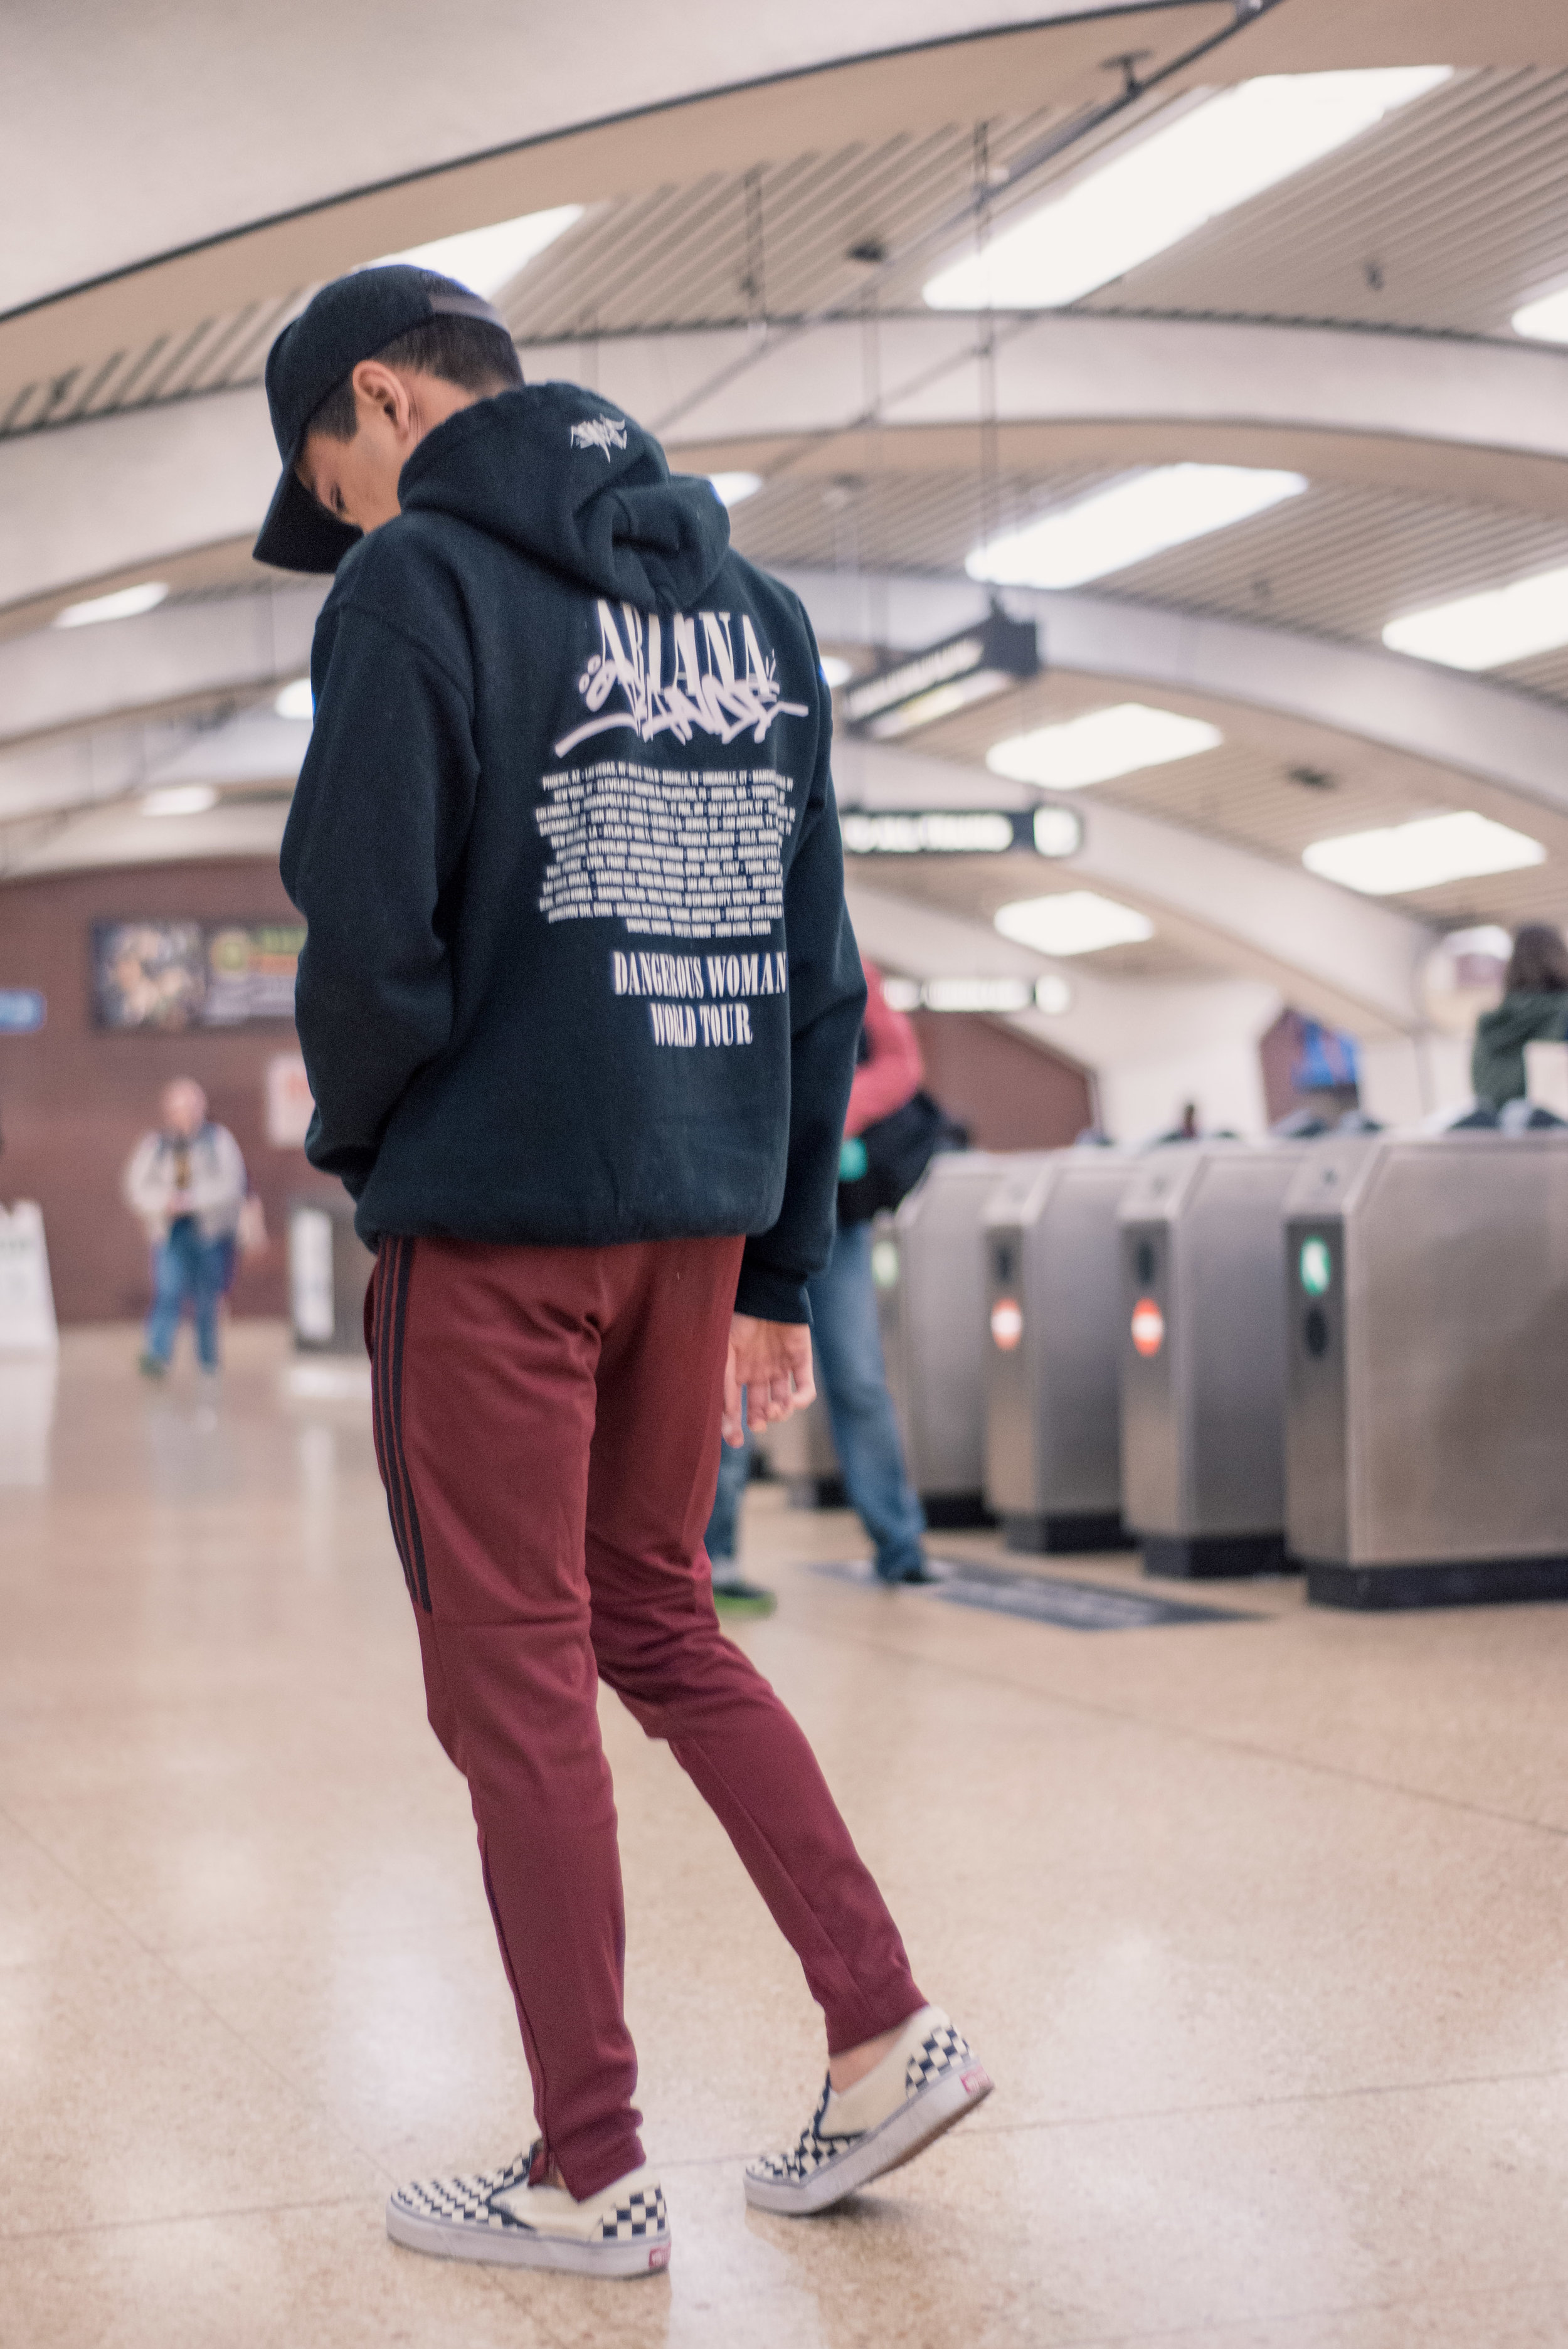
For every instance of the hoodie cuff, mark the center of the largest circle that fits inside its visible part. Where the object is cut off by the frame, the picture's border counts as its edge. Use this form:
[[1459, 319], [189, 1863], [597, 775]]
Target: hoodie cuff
[[771, 1296]]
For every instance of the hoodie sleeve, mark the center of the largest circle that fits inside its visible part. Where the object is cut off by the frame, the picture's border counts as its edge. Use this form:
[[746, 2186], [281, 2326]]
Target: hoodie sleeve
[[826, 1000], [372, 839]]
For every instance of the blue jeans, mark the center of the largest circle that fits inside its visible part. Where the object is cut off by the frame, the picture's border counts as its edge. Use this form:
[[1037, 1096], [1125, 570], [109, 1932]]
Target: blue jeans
[[186, 1266], [734, 1468], [854, 1382]]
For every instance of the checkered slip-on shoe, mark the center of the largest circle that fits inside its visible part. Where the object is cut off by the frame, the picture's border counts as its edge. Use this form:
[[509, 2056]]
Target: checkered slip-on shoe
[[498, 2217], [928, 2080]]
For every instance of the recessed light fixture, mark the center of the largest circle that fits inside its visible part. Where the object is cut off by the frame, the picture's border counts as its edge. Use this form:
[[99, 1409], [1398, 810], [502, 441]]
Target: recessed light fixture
[[1545, 320], [124, 604], [1193, 163], [1504, 624], [294, 701], [180, 799], [1080, 921], [1102, 745], [488, 259], [734, 489], [1422, 854], [1140, 515]]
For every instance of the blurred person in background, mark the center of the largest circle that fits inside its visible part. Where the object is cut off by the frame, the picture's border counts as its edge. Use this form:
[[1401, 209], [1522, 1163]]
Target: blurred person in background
[[186, 1180], [846, 1331], [1533, 1010]]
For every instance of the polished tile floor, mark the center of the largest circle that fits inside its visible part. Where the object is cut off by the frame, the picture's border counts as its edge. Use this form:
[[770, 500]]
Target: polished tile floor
[[1261, 1925]]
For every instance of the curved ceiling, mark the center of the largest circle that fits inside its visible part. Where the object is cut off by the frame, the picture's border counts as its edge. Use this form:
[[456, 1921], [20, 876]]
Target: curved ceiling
[[763, 201]]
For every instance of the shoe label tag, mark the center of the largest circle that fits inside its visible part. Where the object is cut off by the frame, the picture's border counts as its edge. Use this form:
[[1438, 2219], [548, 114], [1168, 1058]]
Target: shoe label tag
[[976, 2078], [659, 2256]]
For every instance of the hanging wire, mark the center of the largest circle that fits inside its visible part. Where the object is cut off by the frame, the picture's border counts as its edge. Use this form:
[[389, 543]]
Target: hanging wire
[[988, 346]]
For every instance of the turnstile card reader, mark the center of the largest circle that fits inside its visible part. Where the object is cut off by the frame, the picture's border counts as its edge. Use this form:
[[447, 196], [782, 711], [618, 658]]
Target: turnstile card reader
[[929, 1266], [1053, 1412], [1426, 1280], [1203, 1345]]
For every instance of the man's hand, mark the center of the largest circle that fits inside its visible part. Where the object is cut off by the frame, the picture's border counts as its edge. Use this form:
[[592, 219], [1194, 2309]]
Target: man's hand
[[772, 1361]]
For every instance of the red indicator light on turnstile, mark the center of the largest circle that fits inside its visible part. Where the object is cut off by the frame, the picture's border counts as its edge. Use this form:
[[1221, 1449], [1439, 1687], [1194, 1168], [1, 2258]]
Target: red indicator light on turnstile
[[1007, 1323], [1148, 1327]]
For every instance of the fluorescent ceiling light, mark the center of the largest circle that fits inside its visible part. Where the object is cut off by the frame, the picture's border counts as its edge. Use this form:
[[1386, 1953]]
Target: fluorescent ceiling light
[[1422, 854], [734, 489], [488, 258], [1080, 921], [1053, 995], [836, 669], [180, 799], [125, 604], [1140, 515], [1102, 745], [1190, 166], [1546, 320], [295, 701], [1505, 623]]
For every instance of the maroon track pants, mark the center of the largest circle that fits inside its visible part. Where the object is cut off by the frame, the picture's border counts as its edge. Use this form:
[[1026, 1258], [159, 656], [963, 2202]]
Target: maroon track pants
[[547, 1430]]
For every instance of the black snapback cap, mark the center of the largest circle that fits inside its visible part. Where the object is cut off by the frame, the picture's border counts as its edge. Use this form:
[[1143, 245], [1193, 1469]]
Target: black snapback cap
[[347, 321]]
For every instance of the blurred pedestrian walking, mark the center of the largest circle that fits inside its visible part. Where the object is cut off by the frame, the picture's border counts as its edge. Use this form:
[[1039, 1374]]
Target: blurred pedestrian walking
[[186, 1180]]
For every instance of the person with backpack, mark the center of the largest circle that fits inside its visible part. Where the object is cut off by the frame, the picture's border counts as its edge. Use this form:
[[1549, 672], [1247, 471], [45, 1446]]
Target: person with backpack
[[186, 1181], [891, 1130], [578, 1002]]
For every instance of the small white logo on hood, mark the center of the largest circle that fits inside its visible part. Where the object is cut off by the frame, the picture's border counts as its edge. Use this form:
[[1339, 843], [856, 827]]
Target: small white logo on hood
[[601, 432]]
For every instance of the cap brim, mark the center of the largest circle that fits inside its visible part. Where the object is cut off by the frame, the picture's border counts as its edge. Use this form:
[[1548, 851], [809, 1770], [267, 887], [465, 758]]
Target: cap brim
[[300, 535]]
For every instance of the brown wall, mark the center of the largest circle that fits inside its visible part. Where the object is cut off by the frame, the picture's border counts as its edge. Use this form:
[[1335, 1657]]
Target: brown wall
[[1010, 1093], [74, 1098]]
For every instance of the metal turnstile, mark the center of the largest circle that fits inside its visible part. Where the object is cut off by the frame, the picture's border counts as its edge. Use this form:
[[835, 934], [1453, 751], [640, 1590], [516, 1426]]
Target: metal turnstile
[[929, 1265], [1426, 1287], [1202, 1347], [329, 1270], [1053, 1404]]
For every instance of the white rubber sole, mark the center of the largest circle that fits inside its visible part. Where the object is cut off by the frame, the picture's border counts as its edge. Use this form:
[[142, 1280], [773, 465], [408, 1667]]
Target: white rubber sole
[[513, 2246], [915, 2125]]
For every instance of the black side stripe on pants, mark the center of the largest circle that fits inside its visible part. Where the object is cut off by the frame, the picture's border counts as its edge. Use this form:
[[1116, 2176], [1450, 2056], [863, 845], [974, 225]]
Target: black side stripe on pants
[[382, 1333], [416, 1540]]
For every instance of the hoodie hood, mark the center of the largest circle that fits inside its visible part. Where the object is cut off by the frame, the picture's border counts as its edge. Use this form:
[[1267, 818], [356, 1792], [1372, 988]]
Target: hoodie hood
[[562, 476]]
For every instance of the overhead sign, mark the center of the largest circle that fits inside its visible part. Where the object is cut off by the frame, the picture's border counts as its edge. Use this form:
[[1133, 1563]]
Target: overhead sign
[[947, 677], [23, 1011], [961, 831]]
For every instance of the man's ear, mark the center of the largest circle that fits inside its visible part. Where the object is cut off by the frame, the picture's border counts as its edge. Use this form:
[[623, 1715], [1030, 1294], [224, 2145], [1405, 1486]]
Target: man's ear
[[386, 394]]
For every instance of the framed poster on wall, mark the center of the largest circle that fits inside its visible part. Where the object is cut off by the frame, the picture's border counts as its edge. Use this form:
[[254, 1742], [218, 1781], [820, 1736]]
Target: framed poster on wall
[[147, 973], [175, 975]]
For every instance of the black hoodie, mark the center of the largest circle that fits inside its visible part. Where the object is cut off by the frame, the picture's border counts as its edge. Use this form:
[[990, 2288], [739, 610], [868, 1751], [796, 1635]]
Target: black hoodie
[[578, 969]]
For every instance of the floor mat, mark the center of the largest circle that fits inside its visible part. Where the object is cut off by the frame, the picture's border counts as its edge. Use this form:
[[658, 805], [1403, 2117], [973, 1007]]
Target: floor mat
[[1046, 1599]]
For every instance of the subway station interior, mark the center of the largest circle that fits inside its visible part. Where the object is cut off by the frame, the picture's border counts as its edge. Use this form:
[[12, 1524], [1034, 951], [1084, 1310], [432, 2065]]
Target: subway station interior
[[1159, 415]]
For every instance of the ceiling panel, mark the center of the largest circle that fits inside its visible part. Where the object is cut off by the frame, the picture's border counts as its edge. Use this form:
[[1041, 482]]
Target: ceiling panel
[[1446, 216]]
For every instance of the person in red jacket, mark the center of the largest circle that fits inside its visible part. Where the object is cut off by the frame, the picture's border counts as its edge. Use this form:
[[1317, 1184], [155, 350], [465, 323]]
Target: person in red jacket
[[848, 1344]]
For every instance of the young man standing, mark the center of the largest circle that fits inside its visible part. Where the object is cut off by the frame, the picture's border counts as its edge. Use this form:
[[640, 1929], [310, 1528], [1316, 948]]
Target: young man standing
[[579, 1004]]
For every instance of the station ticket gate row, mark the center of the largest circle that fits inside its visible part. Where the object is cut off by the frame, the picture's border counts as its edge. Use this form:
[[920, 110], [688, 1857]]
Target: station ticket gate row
[[1349, 1354]]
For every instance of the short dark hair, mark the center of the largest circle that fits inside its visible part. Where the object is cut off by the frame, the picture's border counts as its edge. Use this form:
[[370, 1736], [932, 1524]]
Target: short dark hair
[[1539, 963], [468, 352]]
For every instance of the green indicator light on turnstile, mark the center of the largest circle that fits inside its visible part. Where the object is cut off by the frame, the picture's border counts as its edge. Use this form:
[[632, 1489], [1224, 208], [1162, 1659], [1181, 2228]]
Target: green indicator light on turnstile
[[1316, 1267], [884, 1264]]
